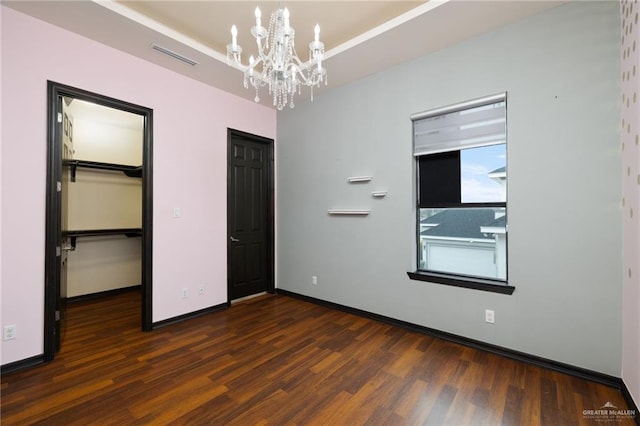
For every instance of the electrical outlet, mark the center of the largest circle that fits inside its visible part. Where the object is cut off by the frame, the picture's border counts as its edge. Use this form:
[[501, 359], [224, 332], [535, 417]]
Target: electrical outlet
[[185, 293], [314, 280], [201, 290], [9, 332], [489, 316]]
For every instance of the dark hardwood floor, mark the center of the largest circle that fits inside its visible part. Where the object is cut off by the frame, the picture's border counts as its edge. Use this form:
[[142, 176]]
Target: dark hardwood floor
[[279, 360]]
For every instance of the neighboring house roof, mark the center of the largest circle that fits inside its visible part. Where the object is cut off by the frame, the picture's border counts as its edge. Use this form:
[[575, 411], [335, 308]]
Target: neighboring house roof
[[498, 226], [499, 222], [461, 223], [499, 174]]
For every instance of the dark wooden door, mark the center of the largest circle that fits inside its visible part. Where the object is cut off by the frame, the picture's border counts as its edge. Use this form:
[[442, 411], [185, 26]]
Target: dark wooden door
[[250, 215], [61, 293]]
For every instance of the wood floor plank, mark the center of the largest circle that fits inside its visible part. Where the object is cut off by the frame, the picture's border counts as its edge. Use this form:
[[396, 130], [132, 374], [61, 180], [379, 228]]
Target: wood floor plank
[[512, 414], [276, 360], [442, 406]]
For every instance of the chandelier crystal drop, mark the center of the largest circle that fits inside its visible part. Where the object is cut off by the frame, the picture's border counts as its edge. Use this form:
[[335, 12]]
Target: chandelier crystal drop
[[277, 64]]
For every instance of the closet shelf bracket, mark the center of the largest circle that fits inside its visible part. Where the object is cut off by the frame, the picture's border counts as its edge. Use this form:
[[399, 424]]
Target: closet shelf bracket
[[73, 235], [130, 171]]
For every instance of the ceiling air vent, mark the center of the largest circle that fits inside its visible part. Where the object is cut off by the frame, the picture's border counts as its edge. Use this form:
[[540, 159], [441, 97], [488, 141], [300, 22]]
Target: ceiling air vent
[[173, 54]]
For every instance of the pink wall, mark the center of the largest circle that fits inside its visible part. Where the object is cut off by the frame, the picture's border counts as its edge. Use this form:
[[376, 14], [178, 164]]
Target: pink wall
[[190, 125], [631, 197], [1, 139]]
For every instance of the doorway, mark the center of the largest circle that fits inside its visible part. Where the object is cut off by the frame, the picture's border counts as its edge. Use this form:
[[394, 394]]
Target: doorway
[[62, 168], [250, 215]]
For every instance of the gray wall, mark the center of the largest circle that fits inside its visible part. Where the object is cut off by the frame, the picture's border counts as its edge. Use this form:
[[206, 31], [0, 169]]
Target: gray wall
[[562, 74]]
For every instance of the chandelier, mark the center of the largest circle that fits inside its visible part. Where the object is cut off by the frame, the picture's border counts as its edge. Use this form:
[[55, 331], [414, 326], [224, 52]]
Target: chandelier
[[277, 64]]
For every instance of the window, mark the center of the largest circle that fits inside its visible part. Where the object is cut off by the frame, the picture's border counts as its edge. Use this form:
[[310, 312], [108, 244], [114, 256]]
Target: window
[[461, 163]]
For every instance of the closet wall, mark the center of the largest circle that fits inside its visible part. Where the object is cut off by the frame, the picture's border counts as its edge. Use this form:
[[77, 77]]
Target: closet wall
[[102, 200]]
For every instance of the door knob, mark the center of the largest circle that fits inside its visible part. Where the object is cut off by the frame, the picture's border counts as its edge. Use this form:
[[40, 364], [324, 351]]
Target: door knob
[[234, 240]]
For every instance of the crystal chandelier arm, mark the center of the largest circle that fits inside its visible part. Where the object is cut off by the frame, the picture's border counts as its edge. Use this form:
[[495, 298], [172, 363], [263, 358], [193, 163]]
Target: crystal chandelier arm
[[311, 71], [311, 62], [260, 33], [235, 55], [306, 65]]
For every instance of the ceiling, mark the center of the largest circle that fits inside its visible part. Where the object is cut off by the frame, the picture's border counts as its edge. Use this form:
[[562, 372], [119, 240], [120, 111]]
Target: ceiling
[[92, 112], [360, 37]]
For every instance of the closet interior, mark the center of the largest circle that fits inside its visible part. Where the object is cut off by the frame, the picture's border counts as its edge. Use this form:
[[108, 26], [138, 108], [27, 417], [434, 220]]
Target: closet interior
[[102, 217]]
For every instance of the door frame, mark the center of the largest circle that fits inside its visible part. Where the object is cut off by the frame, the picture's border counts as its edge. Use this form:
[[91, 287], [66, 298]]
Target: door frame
[[55, 93], [270, 208]]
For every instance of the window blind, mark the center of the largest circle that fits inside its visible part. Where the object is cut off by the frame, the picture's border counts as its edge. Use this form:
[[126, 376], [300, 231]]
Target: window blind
[[476, 123]]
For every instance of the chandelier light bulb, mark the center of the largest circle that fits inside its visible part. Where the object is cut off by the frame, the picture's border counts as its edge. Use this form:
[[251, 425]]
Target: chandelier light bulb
[[285, 14], [258, 16], [234, 36], [316, 32]]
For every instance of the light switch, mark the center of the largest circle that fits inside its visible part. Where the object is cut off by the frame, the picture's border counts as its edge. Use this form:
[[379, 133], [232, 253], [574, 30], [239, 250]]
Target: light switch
[[176, 212]]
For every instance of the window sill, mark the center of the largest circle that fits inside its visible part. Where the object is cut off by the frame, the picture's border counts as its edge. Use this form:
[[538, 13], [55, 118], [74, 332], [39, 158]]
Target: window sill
[[465, 282]]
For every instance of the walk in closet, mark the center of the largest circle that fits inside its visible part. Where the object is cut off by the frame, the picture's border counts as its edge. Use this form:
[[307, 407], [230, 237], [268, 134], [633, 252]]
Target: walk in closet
[[102, 213]]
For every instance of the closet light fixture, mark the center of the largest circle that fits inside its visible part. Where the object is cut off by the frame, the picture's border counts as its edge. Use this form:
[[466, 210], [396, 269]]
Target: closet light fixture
[[174, 55], [277, 64]]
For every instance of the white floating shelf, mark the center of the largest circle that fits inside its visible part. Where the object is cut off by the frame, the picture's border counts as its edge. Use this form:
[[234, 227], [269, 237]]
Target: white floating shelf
[[379, 194], [354, 179], [349, 212]]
